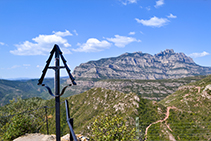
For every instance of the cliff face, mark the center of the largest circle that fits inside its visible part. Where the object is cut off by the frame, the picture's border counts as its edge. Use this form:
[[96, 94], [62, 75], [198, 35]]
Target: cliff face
[[138, 65]]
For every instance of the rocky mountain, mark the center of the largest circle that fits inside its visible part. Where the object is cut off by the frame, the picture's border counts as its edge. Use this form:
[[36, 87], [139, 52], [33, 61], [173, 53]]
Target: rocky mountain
[[164, 65]]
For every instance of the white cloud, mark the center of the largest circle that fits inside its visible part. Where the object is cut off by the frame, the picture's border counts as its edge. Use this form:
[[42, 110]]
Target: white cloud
[[154, 21], [172, 16], [125, 2], [14, 67], [141, 32], [148, 8], [63, 34], [196, 55], [93, 45], [159, 3], [43, 44], [122, 41], [132, 33], [75, 32], [1, 43]]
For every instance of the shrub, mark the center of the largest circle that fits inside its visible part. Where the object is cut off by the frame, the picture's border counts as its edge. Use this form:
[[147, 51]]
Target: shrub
[[111, 128], [19, 125]]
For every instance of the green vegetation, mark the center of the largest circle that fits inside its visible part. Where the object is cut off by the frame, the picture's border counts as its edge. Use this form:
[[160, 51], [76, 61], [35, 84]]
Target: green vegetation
[[191, 119], [111, 128], [84, 108], [21, 124], [18, 118], [98, 109], [24, 89]]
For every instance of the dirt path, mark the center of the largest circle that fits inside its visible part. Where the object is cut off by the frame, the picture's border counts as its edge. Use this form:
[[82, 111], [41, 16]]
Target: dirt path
[[167, 116]]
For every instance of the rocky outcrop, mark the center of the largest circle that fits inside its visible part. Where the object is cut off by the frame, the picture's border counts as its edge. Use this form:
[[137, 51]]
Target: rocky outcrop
[[149, 89], [138, 65]]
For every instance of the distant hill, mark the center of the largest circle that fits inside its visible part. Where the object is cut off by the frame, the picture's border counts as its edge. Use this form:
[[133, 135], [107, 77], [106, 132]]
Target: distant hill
[[138, 65], [149, 89], [183, 115], [10, 89]]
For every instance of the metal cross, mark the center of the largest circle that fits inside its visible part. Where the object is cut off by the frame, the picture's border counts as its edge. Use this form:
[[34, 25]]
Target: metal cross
[[57, 95]]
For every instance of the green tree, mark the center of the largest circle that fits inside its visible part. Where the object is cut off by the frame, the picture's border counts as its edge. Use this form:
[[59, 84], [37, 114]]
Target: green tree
[[111, 128], [19, 125]]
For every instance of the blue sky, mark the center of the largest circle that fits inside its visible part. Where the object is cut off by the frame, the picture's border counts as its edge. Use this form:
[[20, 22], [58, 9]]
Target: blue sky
[[92, 29]]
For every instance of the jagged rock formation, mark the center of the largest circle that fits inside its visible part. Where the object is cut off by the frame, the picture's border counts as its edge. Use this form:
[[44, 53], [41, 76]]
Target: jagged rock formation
[[138, 65]]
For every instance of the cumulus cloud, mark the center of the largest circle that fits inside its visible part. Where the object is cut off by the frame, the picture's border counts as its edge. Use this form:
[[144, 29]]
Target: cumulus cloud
[[196, 55], [1, 43], [62, 34], [154, 21], [93, 45], [125, 2], [43, 44], [172, 16], [122, 41], [159, 3], [132, 33]]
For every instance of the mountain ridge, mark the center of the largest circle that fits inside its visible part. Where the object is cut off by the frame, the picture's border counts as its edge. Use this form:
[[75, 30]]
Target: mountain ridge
[[164, 65]]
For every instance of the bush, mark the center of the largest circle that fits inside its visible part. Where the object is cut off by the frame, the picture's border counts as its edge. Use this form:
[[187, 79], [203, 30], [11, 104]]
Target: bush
[[111, 128], [19, 125]]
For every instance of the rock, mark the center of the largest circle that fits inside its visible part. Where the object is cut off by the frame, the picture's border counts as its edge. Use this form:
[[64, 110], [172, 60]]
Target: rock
[[164, 65], [36, 137]]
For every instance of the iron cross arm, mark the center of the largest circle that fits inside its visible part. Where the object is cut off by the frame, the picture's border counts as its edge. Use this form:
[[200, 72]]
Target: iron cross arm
[[56, 48]]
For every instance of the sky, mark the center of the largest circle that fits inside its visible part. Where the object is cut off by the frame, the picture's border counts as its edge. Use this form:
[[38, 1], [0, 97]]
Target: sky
[[88, 30]]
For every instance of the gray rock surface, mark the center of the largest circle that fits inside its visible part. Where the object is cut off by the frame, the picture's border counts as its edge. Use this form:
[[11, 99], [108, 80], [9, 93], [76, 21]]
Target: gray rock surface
[[138, 65]]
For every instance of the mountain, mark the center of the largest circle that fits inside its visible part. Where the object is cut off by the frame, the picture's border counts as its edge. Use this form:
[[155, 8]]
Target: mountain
[[183, 115], [138, 65], [10, 89], [149, 89]]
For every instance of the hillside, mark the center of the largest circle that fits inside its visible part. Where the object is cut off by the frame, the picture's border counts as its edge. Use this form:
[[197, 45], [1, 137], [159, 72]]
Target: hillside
[[25, 89], [84, 108], [149, 89], [190, 117], [164, 65], [184, 115]]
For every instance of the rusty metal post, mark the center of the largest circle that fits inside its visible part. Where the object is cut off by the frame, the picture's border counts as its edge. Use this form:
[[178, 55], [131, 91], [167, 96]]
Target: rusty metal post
[[57, 91]]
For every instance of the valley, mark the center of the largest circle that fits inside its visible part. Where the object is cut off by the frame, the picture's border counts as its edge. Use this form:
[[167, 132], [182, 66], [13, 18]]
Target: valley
[[174, 108]]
